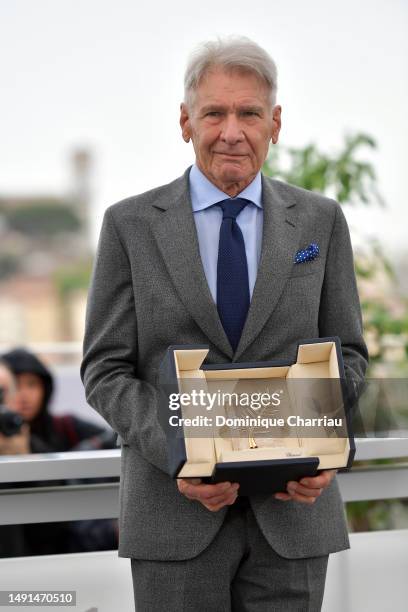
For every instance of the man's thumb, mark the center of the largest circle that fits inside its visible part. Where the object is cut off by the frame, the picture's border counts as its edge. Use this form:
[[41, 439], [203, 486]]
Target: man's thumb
[[194, 481]]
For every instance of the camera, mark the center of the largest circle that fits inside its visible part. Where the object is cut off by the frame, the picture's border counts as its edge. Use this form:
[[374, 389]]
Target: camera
[[10, 422]]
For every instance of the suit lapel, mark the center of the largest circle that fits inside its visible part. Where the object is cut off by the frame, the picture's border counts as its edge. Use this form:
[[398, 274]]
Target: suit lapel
[[176, 237], [280, 239]]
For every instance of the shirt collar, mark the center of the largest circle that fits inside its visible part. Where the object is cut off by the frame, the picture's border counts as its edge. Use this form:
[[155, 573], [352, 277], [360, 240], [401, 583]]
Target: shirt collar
[[204, 193]]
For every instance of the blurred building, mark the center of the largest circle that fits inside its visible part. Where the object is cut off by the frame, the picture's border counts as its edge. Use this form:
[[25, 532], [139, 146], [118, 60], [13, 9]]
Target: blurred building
[[45, 260]]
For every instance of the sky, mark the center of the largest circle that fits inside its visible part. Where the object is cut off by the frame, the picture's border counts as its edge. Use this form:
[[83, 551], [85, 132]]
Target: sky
[[108, 76]]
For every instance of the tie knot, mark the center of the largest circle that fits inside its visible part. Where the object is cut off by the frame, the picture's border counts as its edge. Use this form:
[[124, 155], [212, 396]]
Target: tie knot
[[232, 207]]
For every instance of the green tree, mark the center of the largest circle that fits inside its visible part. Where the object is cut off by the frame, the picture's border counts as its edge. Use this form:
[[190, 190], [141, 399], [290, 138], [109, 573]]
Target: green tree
[[348, 179], [344, 177], [43, 219], [341, 176]]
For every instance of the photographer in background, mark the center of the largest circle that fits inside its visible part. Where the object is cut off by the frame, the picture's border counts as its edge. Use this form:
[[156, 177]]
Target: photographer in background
[[29, 385], [18, 439], [35, 385]]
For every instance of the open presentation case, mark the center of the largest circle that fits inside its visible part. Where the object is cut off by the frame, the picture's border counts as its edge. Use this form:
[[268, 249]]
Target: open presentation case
[[308, 426]]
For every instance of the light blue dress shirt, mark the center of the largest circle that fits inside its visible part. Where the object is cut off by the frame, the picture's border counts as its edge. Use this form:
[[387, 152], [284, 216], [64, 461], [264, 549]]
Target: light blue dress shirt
[[208, 222]]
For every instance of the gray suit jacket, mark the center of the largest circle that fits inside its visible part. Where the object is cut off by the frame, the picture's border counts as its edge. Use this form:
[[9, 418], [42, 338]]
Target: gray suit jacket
[[149, 290]]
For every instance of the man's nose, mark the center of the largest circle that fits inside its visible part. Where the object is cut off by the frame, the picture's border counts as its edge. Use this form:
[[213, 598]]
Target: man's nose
[[231, 130]]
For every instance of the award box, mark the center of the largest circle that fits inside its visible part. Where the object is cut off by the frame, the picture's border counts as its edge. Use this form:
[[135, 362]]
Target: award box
[[314, 390]]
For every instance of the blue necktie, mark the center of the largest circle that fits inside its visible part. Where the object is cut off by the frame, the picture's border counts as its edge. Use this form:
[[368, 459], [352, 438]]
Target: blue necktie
[[232, 272]]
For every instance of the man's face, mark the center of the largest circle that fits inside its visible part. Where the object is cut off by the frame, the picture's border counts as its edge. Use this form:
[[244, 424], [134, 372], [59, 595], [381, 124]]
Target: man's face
[[231, 125]]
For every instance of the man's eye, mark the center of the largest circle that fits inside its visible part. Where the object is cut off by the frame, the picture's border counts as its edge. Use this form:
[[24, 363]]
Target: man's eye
[[251, 114], [213, 114]]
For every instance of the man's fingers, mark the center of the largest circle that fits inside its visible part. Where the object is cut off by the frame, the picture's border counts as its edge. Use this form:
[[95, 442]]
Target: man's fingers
[[209, 493], [316, 482], [187, 488], [215, 497], [296, 487], [183, 485], [308, 489], [194, 481], [226, 502], [319, 482], [206, 492], [222, 499], [303, 498], [295, 497], [283, 496]]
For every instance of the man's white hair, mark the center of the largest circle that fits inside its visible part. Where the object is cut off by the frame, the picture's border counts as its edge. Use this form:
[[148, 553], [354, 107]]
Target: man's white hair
[[233, 52]]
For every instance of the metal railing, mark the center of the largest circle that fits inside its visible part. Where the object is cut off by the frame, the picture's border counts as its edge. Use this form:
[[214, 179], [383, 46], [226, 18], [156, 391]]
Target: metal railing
[[31, 504]]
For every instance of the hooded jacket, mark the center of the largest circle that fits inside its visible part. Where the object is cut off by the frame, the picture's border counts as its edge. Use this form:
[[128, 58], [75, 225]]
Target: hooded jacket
[[50, 433], [55, 433]]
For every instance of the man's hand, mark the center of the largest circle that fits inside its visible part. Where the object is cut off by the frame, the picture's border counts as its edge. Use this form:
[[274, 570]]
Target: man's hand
[[19, 444], [212, 496], [308, 489]]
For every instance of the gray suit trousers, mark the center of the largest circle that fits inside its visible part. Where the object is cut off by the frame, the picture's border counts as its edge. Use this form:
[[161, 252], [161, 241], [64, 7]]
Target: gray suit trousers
[[238, 572]]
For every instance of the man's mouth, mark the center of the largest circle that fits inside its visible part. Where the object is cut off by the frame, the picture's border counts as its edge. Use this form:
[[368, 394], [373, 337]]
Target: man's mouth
[[230, 154]]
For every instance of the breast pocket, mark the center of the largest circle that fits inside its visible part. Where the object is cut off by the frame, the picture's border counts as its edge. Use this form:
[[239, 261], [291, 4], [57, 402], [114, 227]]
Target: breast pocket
[[307, 268], [301, 296], [297, 311]]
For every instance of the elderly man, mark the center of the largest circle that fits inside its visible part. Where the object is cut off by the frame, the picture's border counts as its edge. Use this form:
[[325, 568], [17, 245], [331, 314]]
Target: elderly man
[[209, 259]]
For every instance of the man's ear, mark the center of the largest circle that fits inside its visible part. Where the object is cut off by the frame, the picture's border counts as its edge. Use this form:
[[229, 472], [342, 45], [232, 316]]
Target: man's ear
[[276, 123], [185, 122]]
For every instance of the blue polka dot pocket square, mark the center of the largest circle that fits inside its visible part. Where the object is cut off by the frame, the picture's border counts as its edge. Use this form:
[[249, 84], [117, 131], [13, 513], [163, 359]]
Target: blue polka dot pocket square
[[308, 254]]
